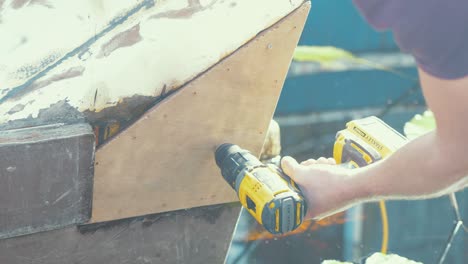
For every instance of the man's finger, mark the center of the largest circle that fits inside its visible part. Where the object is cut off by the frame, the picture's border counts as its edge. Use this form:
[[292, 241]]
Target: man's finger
[[322, 160], [289, 166], [309, 162]]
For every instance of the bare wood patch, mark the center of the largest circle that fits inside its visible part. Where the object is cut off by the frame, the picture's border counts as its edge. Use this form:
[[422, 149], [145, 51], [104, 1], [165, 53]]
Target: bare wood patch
[[126, 38]]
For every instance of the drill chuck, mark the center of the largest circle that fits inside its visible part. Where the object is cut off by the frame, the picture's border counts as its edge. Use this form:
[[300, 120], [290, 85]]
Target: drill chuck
[[269, 196], [231, 159]]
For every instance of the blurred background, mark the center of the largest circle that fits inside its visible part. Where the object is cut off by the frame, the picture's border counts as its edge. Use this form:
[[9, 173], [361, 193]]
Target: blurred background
[[317, 100]]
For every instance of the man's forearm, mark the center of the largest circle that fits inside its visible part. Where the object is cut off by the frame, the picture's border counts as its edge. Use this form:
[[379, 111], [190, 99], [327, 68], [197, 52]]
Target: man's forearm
[[423, 168], [429, 166]]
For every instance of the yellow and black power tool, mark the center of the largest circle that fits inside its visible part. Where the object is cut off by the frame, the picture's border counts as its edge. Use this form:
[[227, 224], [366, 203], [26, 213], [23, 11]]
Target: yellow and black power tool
[[365, 141], [265, 191], [273, 199]]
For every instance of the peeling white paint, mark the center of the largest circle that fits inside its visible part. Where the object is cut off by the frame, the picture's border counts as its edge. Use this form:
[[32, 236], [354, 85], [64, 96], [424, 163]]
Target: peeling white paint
[[178, 40], [38, 33]]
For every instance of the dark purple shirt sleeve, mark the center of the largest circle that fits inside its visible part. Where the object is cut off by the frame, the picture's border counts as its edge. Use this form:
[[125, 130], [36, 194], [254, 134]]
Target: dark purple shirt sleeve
[[435, 32]]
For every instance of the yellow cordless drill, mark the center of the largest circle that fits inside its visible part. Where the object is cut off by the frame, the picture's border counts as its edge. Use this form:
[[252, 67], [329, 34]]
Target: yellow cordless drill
[[272, 198], [264, 190]]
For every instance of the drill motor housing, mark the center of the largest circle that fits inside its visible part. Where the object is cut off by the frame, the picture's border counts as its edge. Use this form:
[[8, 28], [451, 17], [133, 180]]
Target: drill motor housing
[[264, 190]]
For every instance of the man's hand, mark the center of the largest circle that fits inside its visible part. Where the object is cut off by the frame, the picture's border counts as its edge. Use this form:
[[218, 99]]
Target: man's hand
[[323, 183]]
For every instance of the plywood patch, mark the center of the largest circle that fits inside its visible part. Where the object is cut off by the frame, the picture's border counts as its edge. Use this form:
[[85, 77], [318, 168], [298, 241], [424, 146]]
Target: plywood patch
[[165, 161]]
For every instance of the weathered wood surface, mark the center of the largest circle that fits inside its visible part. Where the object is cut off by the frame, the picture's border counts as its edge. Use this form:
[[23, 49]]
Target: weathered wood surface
[[46, 178], [195, 236], [94, 55], [165, 161]]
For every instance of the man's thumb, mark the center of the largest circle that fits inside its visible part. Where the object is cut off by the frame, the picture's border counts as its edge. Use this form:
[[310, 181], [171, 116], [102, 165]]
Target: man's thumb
[[289, 166]]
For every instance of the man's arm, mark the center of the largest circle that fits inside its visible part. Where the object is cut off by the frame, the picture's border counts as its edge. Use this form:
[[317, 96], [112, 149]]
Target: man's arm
[[432, 165]]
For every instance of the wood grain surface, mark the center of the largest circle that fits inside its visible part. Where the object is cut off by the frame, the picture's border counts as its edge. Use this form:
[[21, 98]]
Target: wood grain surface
[[165, 160]]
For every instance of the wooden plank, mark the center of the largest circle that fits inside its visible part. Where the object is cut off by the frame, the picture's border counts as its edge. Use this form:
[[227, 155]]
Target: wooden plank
[[46, 178], [165, 160], [195, 236]]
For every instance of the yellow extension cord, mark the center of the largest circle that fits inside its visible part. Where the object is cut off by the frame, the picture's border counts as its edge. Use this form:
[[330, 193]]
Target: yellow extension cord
[[383, 213]]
